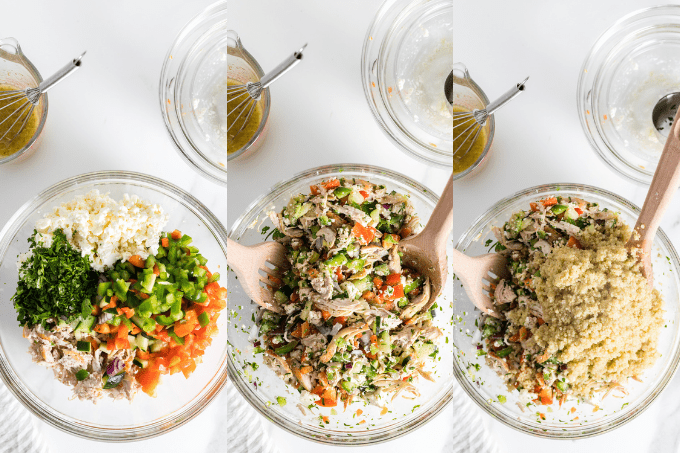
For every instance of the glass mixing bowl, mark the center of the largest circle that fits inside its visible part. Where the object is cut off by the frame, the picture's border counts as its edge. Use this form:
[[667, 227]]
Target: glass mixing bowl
[[192, 83], [260, 386], [17, 71], [484, 385], [630, 67], [178, 399], [407, 55]]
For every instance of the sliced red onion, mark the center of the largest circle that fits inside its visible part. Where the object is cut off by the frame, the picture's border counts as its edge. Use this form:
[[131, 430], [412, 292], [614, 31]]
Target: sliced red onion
[[386, 206], [115, 367], [348, 366]]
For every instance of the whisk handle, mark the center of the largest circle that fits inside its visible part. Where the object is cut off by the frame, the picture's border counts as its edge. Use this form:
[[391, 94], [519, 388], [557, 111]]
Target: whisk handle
[[284, 67], [506, 97], [60, 74]]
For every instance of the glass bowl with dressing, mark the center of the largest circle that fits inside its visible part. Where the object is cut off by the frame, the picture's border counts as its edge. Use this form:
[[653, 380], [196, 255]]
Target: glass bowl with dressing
[[470, 149], [192, 92], [18, 73], [244, 138], [407, 55]]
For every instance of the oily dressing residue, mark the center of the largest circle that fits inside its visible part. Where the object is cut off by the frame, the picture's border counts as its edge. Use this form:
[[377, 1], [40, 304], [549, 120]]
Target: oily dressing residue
[[16, 138], [463, 140], [239, 134]]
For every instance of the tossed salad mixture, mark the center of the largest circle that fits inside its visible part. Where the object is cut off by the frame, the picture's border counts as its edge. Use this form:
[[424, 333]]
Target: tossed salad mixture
[[110, 302], [357, 323], [577, 316]]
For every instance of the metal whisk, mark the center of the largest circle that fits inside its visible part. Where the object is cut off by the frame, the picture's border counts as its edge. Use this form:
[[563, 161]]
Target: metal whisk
[[25, 101], [250, 92], [472, 122]]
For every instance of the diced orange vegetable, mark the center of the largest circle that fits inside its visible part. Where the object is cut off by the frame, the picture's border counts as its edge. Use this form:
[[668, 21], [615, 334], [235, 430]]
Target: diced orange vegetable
[[96, 310], [325, 315], [364, 194], [377, 282], [393, 279], [342, 320], [368, 295], [122, 343], [176, 235], [332, 184], [111, 304], [149, 378], [137, 261], [405, 232], [102, 328], [534, 206], [111, 344], [301, 331], [165, 242], [129, 312], [362, 232], [374, 339], [122, 331], [338, 274], [143, 355], [314, 190], [156, 270], [574, 243], [551, 201], [359, 412]]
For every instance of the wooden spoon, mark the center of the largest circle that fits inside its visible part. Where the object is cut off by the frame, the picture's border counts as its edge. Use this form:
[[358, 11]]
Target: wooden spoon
[[247, 262], [477, 274], [426, 251], [664, 185]]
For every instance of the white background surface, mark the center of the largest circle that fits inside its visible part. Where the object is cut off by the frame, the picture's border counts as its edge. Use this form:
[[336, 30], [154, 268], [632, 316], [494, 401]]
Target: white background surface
[[319, 116], [106, 116], [539, 140]]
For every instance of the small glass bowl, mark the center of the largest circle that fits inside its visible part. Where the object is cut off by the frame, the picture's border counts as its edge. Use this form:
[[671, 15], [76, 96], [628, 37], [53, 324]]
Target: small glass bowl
[[178, 399], [193, 75], [409, 45], [484, 385], [467, 94], [18, 71], [630, 67], [260, 386], [243, 67]]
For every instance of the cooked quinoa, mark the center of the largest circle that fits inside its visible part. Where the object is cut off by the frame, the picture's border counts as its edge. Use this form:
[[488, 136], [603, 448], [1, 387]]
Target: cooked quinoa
[[578, 316]]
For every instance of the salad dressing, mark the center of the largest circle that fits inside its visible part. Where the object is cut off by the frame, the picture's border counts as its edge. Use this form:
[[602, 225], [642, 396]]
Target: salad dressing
[[11, 143], [238, 138], [462, 160]]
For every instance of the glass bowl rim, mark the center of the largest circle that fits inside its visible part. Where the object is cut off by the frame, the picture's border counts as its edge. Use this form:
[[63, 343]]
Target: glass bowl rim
[[473, 230], [190, 154], [81, 428], [603, 150], [422, 154], [245, 390]]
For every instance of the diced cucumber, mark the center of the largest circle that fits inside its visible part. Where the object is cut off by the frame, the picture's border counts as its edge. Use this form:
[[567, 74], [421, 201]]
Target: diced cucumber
[[141, 363], [83, 346], [142, 342], [86, 324], [158, 345]]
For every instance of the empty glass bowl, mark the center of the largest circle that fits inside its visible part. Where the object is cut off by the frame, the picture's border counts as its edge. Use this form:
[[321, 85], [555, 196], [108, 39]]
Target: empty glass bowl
[[630, 67], [178, 399], [192, 84], [407, 55], [260, 386], [484, 385]]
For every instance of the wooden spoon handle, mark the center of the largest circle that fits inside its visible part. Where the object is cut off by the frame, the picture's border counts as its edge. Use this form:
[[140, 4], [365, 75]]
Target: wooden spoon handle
[[664, 185], [236, 255], [437, 230]]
